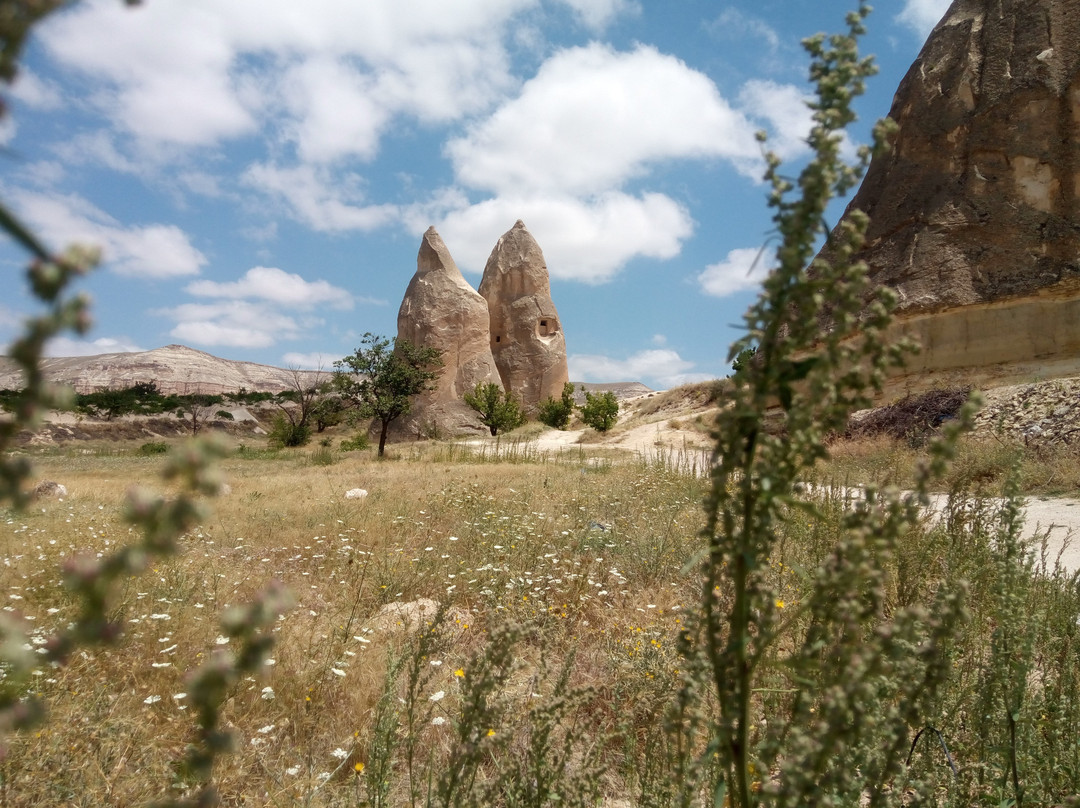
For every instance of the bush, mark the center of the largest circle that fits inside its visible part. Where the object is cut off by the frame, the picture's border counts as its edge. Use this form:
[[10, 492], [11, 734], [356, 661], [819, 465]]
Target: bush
[[154, 448], [284, 433], [601, 411], [357, 442], [556, 414], [498, 409], [224, 415]]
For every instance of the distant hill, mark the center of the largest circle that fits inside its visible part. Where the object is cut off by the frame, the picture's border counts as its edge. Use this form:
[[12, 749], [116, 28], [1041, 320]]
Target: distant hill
[[174, 369]]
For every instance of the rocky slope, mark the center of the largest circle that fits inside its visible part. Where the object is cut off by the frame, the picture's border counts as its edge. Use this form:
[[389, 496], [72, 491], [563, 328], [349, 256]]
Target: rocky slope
[[174, 368]]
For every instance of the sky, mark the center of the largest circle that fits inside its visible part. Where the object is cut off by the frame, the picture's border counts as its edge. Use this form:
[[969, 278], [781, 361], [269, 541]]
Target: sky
[[259, 173]]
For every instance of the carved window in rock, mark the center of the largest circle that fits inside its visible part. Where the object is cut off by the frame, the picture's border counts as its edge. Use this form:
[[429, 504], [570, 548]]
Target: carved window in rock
[[547, 327]]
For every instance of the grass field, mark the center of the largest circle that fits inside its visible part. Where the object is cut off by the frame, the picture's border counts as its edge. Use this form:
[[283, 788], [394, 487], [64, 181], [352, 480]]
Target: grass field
[[587, 553]]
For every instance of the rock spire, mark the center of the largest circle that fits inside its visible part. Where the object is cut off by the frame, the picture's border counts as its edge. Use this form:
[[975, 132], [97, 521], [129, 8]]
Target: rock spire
[[527, 339], [441, 310]]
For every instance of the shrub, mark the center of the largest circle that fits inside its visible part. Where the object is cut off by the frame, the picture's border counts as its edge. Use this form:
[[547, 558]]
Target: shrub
[[357, 442], [600, 411], [556, 413], [284, 433], [154, 448], [224, 415], [498, 409]]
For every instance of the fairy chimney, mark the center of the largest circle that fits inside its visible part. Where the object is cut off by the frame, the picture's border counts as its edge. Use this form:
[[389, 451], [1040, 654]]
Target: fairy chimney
[[527, 340], [975, 211], [441, 310]]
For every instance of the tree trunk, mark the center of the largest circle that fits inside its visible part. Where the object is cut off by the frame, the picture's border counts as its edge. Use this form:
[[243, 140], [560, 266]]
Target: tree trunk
[[382, 437]]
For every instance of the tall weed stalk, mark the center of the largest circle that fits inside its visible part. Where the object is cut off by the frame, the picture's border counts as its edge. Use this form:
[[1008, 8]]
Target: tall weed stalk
[[814, 701]]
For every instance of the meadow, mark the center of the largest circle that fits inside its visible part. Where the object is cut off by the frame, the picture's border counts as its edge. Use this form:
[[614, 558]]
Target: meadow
[[558, 584]]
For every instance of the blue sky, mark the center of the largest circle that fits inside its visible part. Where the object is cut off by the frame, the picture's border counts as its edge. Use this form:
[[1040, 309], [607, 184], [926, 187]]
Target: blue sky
[[259, 173]]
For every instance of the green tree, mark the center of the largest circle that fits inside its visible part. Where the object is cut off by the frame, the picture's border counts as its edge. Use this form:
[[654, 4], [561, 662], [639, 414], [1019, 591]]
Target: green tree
[[498, 409], [556, 412], [600, 411], [380, 379]]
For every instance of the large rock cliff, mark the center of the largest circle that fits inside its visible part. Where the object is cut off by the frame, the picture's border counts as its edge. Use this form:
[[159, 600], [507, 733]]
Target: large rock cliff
[[975, 212]]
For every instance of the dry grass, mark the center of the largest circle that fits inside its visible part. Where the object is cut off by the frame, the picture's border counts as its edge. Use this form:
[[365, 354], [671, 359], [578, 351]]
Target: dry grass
[[589, 554]]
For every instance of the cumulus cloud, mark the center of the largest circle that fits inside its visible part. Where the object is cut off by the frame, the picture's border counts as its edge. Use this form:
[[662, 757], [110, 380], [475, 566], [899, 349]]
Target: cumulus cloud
[[585, 240], [68, 346], [196, 72], [150, 251], [254, 310], [234, 323], [593, 118], [324, 202], [658, 368], [276, 286], [742, 269], [596, 14], [922, 15]]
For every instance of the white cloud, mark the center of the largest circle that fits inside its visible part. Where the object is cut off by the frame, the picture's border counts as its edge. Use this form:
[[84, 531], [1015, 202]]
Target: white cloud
[[744, 268], [586, 240], [732, 24], [922, 15], [34, 91], [68, 346], [783, 106], [195, 72], [596, 14], [310, 361], [154, 251], [335, 111], [327, 203], [656, 367], [593, 118], [235, 323], [276, 286]]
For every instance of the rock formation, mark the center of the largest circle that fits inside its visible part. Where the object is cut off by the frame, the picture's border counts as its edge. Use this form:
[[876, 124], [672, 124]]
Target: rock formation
[[174, 369], [975, 212], [441, 310], [526, 336]]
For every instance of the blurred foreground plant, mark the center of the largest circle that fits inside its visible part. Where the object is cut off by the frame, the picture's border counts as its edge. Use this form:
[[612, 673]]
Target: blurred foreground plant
[[162, 522]]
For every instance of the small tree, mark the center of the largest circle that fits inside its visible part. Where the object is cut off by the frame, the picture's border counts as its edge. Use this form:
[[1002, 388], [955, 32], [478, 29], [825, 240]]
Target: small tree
[[498, 409], [380, 379], [298, 406], [556, 414], [200, 407], [601, 411]]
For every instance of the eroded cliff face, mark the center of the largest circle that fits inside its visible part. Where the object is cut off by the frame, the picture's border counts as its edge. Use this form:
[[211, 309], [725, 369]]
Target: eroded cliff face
[[975, 212]]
